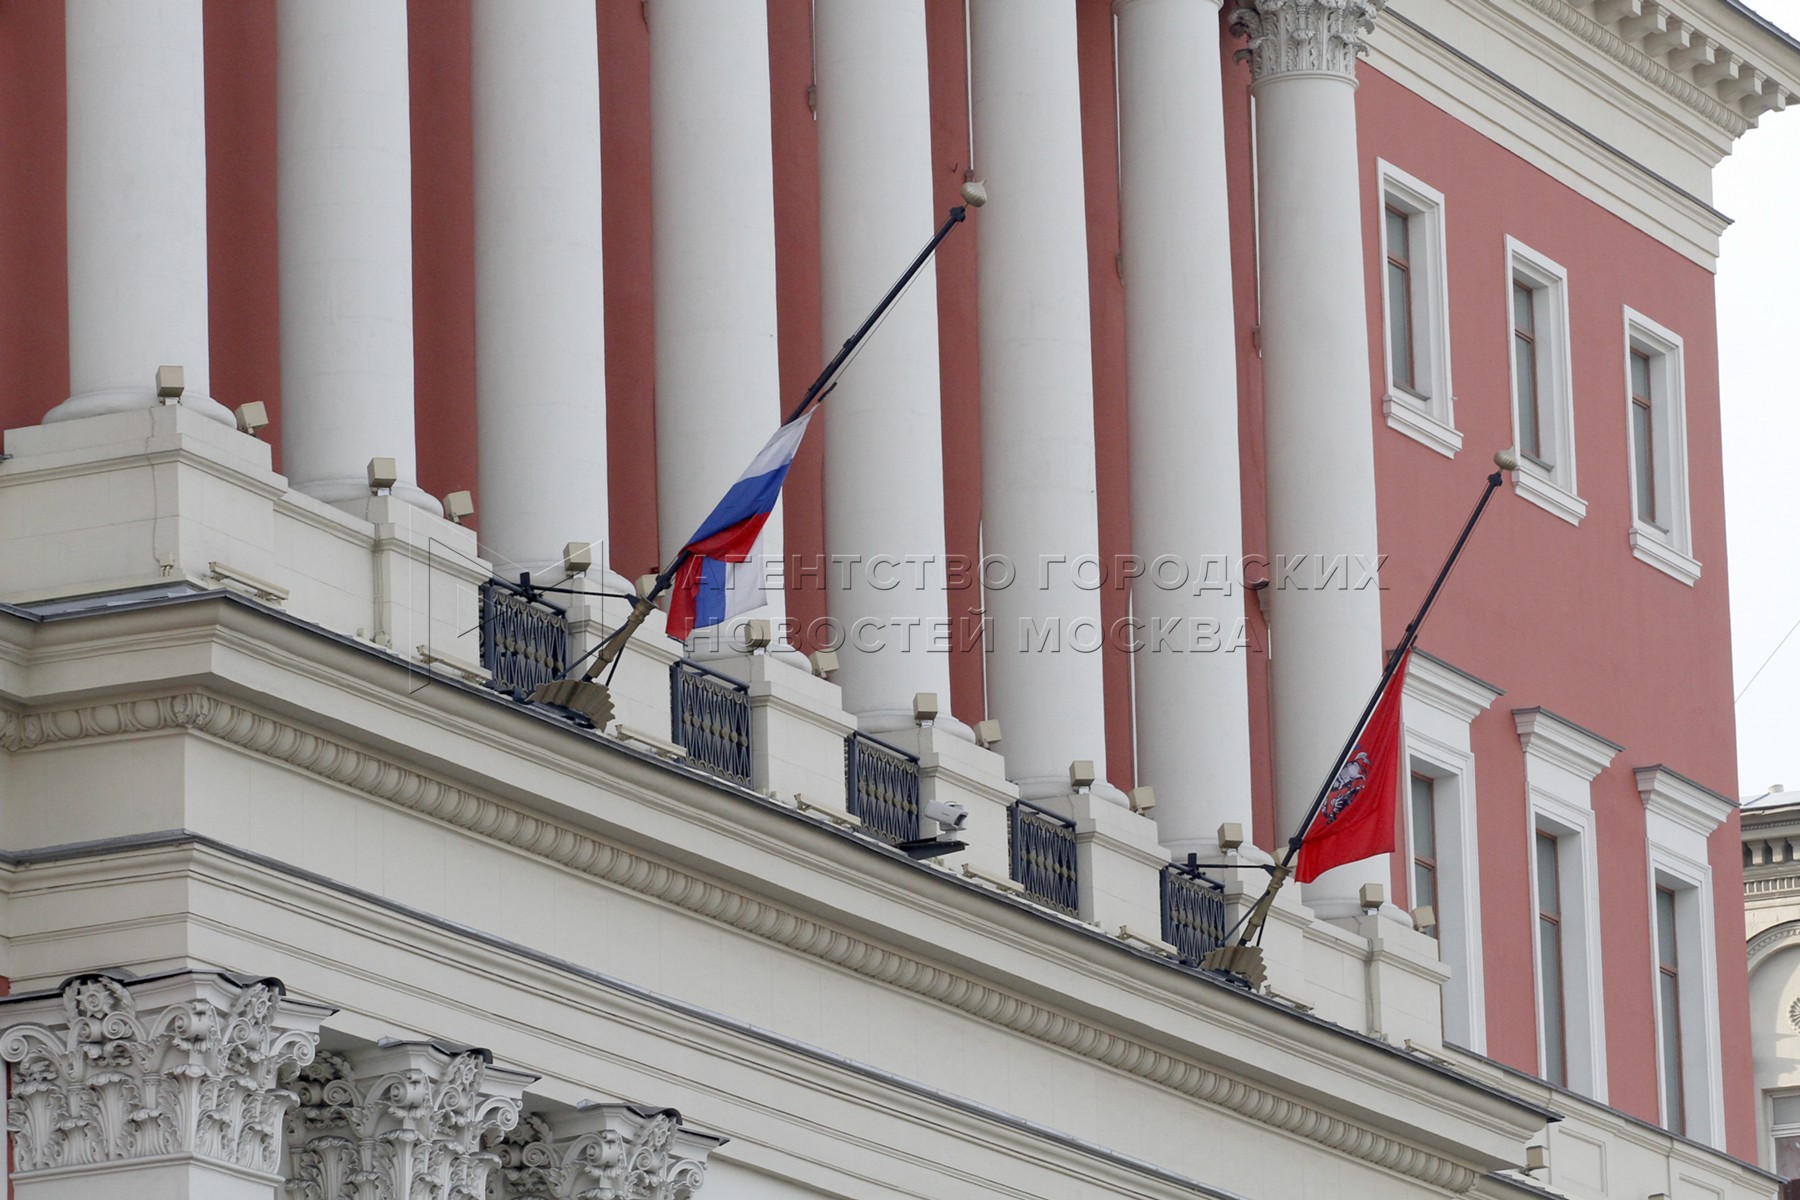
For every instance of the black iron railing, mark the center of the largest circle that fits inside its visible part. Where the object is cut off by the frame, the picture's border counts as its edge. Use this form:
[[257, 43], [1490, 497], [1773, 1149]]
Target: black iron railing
[[1042, 847], [1193, 911], [882, 786], [709, 717], [524, 639]]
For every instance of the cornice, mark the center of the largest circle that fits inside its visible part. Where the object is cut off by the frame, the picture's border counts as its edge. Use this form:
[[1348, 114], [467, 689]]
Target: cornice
[[345, 765], [1681, 800], [1435, 682], [1561, 741]]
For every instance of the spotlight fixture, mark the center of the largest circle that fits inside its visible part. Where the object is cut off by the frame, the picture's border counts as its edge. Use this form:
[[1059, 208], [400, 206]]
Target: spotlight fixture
[[1372, 896], [252, 417], [987, 733], [171, 381], [459, 506], [824, 662], [384, 473], [1231, 835], [578, 558], [1423, 917], [925, 707], [758, 635], [1082, 774], [1143, 799]]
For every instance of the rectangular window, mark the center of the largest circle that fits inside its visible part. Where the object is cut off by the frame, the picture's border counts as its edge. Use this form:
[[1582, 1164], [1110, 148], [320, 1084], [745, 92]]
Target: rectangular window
[[1526, 393], [1643, 439], [1784, 1132], [1400, 300], [1668, 980], [1415, 307], [1537, 323], [1550, 960], [1424, 846], [1657, 433]]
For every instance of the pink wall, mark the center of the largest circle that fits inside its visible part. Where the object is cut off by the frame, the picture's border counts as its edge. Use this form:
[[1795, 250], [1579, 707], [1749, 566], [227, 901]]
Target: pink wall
[[1559, 616]]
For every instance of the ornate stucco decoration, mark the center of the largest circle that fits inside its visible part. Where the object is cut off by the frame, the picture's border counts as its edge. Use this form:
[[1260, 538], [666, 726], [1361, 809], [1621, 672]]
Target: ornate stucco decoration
[[1290, 37], [112, 1070], [601, 1152], [349, 765], [1794, 1013], [403, 1121]]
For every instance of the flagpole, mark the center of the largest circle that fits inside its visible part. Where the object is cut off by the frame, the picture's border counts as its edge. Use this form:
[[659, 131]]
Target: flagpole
[[1253, 921], [578, 694]]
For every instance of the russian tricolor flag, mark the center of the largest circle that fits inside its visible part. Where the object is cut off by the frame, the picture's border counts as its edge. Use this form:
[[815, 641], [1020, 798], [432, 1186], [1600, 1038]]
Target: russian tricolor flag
[[724, 574]]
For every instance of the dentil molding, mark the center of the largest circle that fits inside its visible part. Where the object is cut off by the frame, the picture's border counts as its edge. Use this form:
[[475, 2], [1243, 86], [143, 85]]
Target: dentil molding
[[342, 764], [113, 1070], [1295, 37]]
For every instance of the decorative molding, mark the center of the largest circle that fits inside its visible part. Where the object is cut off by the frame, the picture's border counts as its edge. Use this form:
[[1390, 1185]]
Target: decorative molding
[[617, 1151], [1769, 941], [1682, 800], [1563, 742], [344, 765], [1431, 680], [1651, 545], [1303, 37], [187, 1064], [404, 1119], [1793, 1013]]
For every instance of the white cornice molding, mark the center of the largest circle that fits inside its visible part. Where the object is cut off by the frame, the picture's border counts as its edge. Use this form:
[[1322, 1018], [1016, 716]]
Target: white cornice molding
[[1555, 739], [1681, 800], [1435, 682], [349, 766]]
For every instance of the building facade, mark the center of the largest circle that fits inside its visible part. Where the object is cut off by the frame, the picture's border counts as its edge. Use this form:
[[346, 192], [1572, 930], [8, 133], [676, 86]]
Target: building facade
[[1771, 917], [362, 352]]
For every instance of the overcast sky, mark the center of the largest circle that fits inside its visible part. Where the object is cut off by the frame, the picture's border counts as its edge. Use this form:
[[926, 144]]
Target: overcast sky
[[1758, 186]]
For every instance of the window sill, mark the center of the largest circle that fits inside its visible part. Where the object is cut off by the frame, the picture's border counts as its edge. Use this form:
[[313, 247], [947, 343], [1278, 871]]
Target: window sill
[[1651, 545], [1415, 419], [1548, 494]]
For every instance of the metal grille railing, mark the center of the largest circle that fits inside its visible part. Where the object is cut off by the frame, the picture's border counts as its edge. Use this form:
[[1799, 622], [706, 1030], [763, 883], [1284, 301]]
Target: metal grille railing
[[881, 783], [524, 641], [1193, 912], [1042, 848], [709, 717]]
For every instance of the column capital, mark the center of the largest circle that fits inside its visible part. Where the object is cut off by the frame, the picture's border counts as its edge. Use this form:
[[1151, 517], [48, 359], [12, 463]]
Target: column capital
[[399, 1119], [1303, 37], [617, 1150], [109, 1070]]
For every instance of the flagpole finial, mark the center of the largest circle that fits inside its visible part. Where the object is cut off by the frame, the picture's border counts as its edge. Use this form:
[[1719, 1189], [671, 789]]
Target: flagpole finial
[[1506, 460], [974, 193]]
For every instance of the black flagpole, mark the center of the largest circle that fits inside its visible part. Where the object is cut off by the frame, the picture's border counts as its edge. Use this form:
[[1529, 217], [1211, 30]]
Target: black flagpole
[[569, 692], [1253, 920]]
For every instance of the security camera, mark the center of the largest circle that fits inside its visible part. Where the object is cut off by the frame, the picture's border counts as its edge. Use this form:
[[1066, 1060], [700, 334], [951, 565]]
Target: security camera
[[950, 817]]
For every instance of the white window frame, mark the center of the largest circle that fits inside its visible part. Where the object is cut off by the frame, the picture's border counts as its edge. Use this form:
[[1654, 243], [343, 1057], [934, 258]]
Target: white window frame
[[1669, 550], [1428, 413], [1679, 816], [1438, 704], [1553, 488], [1561, 761]]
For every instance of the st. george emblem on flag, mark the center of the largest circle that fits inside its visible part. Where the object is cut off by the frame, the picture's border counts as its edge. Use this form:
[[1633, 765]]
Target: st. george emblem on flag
[[1356, 820], [725, 574]]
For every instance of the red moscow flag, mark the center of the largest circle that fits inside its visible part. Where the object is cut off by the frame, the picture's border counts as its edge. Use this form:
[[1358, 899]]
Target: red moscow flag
[[1357, 819]]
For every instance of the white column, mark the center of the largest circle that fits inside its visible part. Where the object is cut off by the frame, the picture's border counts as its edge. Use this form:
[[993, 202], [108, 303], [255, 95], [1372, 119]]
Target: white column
[[1037, 398], [884, 469], [344, 191], [718, 386], [137, 205], [1193, 722], [1325, 629], [540, 309]]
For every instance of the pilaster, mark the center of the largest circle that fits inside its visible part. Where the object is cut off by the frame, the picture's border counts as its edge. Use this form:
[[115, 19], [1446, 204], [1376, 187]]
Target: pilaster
[[618, 1151]]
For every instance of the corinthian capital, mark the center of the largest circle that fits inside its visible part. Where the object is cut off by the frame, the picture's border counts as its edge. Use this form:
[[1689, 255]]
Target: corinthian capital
[[108, 1070], [1292, 37], [404, 1119], [618, 1151]]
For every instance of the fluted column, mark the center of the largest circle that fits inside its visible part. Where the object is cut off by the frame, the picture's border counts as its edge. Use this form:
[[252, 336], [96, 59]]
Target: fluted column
[[344, 193], [171, 1085], [136, 205], [884, 468], [399, 1119], [540, 308], [1193, 726], [712, 183], [1325, 615], [1037, 401], [620, 1150]]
